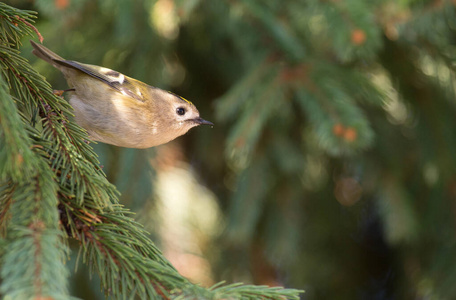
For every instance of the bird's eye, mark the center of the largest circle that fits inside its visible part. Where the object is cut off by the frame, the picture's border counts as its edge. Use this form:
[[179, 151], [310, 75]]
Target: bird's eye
[[180, 111]]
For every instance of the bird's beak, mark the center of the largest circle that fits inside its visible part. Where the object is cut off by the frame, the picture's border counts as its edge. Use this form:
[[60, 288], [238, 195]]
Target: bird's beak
[[201, 121]]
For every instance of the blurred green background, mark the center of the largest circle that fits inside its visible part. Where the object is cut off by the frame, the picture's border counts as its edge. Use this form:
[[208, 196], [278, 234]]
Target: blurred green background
[[331, 167]]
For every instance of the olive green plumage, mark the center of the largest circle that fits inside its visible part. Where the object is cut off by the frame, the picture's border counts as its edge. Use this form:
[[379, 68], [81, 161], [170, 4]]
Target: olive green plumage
[[120, 110]]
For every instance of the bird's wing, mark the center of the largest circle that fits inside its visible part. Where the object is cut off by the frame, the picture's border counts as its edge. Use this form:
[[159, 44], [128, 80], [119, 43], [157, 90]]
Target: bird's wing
[[114, 79]]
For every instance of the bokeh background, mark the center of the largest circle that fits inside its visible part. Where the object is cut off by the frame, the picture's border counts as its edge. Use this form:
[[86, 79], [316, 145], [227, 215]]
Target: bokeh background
[[331, 166]]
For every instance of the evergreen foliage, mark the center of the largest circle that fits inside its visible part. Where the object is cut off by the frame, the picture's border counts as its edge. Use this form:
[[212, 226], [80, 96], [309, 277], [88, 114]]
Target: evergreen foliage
[[335, 118], [53, 189], [339, 128]]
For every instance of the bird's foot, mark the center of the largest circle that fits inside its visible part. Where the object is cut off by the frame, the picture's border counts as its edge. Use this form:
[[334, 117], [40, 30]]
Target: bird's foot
[[60, 92]]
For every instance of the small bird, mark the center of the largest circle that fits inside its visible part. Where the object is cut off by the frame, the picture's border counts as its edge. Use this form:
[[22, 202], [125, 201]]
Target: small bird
[[119, 110]]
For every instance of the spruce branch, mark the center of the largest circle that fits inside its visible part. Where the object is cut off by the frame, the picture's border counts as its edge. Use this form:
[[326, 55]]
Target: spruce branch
[[33, 241], [327, 105], [119, 251], [52, 189], [278, 30], [68, 151], [16, 23], [117, 248], [252, 292]]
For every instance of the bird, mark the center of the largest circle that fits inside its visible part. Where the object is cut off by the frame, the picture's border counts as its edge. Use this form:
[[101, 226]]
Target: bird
[[119, 110]]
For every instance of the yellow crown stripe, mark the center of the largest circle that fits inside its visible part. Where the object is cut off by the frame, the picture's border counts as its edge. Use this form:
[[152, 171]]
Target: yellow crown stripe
[[180, 97]]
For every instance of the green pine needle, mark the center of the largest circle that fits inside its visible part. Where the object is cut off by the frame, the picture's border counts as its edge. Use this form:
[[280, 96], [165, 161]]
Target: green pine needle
[[53, 189]]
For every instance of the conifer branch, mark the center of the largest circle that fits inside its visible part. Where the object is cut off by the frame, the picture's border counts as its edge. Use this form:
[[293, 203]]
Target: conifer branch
[[277, 29], [33, 239], [68, 151], [120, 252], [50, 180], [16, 23]]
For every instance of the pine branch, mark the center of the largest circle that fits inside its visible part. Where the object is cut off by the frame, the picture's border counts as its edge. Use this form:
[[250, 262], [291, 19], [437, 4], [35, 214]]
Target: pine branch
[[68, 152], [252, 292], [51, 183], [277, 29], [118, 249], [16, 23], [33, 241], [111, 242]]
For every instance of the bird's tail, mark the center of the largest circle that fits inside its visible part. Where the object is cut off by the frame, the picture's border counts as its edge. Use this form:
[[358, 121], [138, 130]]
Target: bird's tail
[[45, 54]]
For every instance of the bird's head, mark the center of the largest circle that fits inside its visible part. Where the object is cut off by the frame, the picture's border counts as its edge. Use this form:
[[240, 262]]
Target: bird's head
[[175, 115]]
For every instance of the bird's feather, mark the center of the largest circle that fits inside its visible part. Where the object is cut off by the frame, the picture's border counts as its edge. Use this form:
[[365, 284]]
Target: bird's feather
[[124, 84]]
